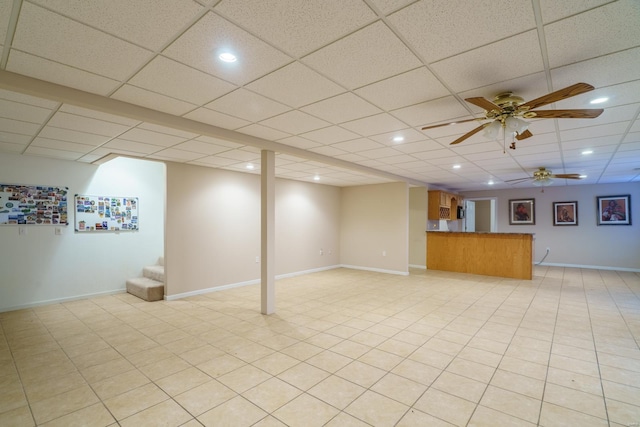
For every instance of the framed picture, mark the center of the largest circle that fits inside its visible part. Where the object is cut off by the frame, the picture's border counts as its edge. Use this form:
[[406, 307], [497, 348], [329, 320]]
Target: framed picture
[[565, 213], [522, 212], [614, 210]]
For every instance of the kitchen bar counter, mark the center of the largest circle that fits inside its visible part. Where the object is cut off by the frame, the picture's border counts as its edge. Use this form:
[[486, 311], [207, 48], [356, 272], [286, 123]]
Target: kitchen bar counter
[[490, 254]]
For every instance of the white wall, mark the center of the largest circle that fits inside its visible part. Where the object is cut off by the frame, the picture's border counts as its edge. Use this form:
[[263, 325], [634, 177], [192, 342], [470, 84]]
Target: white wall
[[213, 228], [41, 267], [375, 218], [587, 244]]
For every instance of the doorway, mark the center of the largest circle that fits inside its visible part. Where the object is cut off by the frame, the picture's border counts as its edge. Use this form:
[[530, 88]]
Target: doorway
[[480, 215]]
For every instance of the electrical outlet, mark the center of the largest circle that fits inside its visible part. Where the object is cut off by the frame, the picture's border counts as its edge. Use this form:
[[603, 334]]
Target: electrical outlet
[[58, 231], [257, 259], [22, 231], [548, 249], [384, 253], [321, 252], [330, 251]]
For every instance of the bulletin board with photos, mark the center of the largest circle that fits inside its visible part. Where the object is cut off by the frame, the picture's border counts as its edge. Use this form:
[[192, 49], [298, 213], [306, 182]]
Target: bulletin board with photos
[[22, 204], [106, 213]]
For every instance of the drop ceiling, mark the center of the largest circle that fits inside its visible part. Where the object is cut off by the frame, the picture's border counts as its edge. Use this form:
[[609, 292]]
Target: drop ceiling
[[329, 85]]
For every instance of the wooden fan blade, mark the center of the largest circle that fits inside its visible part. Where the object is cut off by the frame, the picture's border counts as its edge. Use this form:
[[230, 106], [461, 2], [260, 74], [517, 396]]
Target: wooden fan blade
[[447, 124], [519, 179], [568, 114], [566, 175], [468, 134], [524, 135], [483, 103], [558, 95]]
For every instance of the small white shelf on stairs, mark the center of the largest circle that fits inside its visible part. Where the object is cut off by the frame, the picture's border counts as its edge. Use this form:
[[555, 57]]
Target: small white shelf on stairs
[[149, 287]]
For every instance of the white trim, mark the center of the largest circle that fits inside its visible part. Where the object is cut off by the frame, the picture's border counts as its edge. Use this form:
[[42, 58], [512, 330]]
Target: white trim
[[61, 300], [247, 283], [422, 267], [594, 267], [378, 270]]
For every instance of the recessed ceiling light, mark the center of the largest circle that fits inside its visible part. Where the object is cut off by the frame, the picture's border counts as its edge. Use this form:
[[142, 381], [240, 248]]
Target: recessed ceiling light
[[398, 138], [456, 166], [227, 57], [587, 152], [599, 100], [316, 178], [250, 166], [490, 182], [583, 176]]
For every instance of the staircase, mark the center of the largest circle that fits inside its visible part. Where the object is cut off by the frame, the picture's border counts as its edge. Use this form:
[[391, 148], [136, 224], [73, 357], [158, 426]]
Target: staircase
[[150, 287]]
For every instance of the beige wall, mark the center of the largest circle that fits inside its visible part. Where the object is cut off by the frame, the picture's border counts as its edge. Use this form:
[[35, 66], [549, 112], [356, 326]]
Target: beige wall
[[213, 227], [587, 244], [418, 198], [375, 218], [483, 215]]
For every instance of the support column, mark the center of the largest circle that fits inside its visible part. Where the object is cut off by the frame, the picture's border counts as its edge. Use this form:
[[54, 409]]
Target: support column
[[267, 233]]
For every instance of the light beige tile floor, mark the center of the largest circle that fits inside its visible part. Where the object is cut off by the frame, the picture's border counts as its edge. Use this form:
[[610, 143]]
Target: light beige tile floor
[[345, 348]]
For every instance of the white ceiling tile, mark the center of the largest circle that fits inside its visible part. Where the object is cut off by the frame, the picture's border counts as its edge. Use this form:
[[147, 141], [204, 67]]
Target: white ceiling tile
[[438, 29], [398, 160], [14, 138], [408, 135], [132, 146], [51, 36], [210, 117], [7, 147], [151, 137], [342, 60], [327, 150], [28, 99], [105, 117], [298, 28], [388, 6], [374, 125], [19, 127], [240, 155], [149, 23], [263, 132], [26, 113], [607, 70], [295, 85], [156, 101], [379, 153], [5, 14], [56, 144], [594, 131], [406, 89], [433, 154], [219, 141], [330, 135], [294, 122], [419, 146], [298, 142], [52, 153], [357, 145], [86, 124], [432, 112], [592, 34], [200, 147], [215, 161], [477, 147], [247, 105], [43, 69], [553, 10], [176, 155], [169, 131], [212, 35], [178, 81], [350, 157], [504, 60], [342, 108]]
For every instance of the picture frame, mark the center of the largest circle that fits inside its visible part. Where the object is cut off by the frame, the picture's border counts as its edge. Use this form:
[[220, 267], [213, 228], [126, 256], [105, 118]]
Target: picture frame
[[565, 213], [522, 212], [614, 210]]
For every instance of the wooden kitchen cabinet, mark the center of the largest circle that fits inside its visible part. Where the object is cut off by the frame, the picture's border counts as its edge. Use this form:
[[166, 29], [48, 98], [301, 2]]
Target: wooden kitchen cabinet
[[442, 205]]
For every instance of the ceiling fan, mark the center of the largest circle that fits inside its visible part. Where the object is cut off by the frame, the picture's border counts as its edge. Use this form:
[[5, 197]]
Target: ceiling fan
[[507, 110], [544, 177]]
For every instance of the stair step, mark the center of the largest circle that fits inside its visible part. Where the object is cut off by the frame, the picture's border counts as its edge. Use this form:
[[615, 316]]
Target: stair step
[[146, 288], [155, 272]]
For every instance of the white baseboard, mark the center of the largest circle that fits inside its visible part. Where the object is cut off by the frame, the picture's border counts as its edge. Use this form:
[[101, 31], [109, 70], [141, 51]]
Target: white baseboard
[[422, 267], [592, 267], [61, 300], [377, 270]]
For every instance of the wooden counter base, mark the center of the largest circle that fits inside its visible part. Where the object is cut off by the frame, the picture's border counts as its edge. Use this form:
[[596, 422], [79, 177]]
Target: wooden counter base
[[490, 254]]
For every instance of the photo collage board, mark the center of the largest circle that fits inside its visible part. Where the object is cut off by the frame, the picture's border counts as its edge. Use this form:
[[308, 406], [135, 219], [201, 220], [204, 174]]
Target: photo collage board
[[33, 205], [105, 213]]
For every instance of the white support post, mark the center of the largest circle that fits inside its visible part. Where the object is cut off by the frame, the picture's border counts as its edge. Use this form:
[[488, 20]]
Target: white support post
[[267, 271]]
